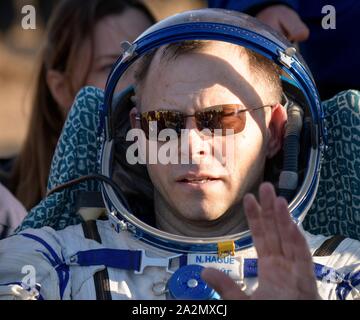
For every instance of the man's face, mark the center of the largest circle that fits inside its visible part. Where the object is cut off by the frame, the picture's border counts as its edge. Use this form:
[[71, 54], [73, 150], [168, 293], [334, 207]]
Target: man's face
[[209, 186]]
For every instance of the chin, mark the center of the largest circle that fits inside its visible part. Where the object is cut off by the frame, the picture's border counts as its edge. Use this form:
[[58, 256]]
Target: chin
[[202, 215]]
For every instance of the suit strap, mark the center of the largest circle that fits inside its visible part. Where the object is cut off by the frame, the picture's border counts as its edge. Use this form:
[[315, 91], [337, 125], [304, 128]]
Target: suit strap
[[329, 246], [101, 278]]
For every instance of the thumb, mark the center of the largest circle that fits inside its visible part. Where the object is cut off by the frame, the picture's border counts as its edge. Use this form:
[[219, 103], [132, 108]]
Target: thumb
[[223, 284]]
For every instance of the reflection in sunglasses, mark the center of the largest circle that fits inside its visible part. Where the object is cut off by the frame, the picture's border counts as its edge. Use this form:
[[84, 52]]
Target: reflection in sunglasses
[[219, 117]]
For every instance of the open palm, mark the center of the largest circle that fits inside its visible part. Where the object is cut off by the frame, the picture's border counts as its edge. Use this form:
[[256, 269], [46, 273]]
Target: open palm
[[285, 267]]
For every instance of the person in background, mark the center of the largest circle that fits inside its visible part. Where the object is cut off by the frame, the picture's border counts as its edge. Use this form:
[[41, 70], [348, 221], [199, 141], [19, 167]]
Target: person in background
[[330, 53], [83, 41]]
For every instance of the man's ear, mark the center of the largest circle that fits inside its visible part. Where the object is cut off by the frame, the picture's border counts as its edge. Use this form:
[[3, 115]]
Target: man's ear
[[60, 90], [276, 130], [132, 114]]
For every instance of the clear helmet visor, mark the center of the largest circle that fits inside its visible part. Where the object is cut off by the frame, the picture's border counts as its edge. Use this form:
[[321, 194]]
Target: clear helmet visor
[[192, 134]]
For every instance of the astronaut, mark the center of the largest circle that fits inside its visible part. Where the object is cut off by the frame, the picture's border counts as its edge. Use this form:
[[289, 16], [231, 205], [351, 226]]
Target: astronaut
[[207, 80]]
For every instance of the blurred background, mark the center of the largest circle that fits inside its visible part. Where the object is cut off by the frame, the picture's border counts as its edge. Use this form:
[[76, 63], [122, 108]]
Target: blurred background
[[18, 56]]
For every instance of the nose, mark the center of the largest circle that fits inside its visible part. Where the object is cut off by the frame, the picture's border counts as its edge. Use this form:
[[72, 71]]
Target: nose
[[194, 145]]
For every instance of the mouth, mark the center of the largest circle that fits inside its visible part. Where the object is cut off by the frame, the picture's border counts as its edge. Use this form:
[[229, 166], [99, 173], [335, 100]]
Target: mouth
[[197, 179]]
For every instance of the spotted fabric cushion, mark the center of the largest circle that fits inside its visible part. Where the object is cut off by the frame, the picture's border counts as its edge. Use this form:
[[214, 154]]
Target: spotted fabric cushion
[[75, 156], [335, 209]]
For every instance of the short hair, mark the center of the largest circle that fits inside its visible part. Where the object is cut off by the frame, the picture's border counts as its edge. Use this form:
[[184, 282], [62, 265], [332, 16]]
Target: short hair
[[264, 69]]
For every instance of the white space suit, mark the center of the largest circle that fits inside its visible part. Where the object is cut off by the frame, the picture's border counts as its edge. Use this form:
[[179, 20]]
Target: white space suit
[[47, 256]]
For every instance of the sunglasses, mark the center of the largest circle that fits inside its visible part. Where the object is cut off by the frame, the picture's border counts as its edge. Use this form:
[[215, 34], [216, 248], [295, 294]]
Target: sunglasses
[[220, 117]]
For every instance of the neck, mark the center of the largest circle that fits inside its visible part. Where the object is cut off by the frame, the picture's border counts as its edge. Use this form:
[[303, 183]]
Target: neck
[[168, 220]]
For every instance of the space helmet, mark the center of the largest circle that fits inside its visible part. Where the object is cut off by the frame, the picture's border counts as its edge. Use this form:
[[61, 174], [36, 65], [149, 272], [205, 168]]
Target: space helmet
[[129, 205]]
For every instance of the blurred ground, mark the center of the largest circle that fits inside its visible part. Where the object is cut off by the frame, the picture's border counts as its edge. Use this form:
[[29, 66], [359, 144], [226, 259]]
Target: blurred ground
[[18, 56]]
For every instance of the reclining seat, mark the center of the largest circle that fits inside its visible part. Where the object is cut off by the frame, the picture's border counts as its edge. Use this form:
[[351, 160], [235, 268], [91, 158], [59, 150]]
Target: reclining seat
[[76, 155], [335, 211]]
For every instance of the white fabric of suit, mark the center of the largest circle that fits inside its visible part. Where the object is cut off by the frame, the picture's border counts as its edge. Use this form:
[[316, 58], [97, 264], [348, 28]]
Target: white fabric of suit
[[19, 254]]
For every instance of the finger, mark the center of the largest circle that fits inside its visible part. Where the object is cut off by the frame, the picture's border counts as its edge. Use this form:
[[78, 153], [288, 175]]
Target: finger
[[303, 258], [301, 248], [223, 284], [291, 237], [295, 248], [295, 29], [275, 24], [253, 213], [267, 202], [269, 18], [304, 270], [267, 196], [285, 227]]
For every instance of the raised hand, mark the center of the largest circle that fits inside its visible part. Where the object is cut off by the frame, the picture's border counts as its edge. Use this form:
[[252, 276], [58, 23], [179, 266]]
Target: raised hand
[[286, 21], [285, 267]]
